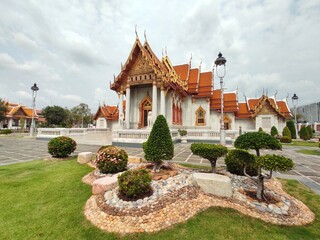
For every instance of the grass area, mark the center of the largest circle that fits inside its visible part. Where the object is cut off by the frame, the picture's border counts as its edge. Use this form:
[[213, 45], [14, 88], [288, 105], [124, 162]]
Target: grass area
[[302, 143], [45, 200], [309, 152]]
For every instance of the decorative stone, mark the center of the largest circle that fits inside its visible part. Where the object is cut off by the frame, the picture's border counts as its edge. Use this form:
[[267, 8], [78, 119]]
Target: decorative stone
[[103, 184], [84, 157], [213, 183], [132, 159]]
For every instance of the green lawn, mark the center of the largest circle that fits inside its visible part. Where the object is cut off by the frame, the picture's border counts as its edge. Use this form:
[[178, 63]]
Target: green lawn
[[302, 143], [45, 200], [309, 152]]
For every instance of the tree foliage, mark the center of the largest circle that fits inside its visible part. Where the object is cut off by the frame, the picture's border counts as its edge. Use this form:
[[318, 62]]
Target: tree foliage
[[159, 145], [55, 115], [80, 115], [3, 109], [286, 132], [257, 141], [237, 159], [274, 131], [209, 151], [310, 131], [290, 124]]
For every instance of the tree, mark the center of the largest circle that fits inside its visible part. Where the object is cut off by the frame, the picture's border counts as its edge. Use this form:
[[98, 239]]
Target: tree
[[3, 109], [210, 152], [304, 133], [55, 115], [81, 114], [310, 131], [159, 145], [274, 131], [258, 141], [286, 132], [290, 124]]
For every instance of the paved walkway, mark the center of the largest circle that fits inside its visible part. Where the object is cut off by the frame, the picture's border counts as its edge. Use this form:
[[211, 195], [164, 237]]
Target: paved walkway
[[15, 149]]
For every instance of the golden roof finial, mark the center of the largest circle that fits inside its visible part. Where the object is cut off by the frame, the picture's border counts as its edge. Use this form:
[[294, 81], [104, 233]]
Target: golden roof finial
[[145, 36], [165, 49], [190, 59], [162, 53], [135, 30]]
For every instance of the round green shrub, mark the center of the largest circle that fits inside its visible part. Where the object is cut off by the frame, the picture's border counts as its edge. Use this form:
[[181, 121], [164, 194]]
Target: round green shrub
[[182, 132], [237, 159], [285, 139], [286, 132], [111, 159], [274, 131], [304, 133], [134, 184], [260, 129], [61, 147]]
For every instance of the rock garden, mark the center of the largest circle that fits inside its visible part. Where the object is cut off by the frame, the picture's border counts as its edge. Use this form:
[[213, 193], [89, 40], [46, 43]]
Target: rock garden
[[132, 195]]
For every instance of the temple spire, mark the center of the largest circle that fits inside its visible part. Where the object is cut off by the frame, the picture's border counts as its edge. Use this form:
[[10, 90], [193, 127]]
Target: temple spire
[[145, 36], [135, 30], [190, 60]]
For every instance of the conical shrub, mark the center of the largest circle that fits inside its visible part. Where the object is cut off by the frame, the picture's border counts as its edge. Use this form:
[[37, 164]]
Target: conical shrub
[[292, 128], [304, 134], [274, 131], [286, 132]]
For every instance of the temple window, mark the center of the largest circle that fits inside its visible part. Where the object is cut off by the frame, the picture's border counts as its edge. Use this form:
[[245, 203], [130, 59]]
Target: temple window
[[200, 117], [266, 122]]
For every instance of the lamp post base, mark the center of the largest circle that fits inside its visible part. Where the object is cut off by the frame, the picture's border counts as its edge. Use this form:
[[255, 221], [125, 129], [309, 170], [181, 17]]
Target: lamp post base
[[222, 137]]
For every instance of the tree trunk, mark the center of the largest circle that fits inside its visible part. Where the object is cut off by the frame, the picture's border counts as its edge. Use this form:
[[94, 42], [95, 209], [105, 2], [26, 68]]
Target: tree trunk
[[260, 187], [157, 166], [213, 166]]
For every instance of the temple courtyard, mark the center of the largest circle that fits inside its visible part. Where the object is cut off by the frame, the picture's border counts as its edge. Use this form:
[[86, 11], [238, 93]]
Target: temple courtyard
[[14, 149]]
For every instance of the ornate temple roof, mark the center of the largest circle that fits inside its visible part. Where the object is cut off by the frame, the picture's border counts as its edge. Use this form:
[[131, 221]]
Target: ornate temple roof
[[17, 110]]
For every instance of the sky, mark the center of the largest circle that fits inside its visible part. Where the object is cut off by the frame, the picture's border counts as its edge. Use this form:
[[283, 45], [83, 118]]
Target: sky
[[72, 49]]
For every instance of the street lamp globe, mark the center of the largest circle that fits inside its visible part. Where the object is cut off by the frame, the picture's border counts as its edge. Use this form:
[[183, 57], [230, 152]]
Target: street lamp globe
[[34, 89], [220, 64]]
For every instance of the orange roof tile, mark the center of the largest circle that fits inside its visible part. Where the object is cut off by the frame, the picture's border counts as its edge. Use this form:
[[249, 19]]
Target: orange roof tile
[[284, 109], [252, 103], [205, 85], [182, 71], [243, 111], [230, 102], [193, 80]]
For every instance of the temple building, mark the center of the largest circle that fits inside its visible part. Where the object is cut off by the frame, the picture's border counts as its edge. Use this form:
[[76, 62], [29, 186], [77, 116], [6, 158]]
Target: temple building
[[20, 116], [185, 95]]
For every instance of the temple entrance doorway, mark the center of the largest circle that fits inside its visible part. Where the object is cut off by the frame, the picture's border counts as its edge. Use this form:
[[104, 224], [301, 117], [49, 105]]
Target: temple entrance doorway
[[145, 107]]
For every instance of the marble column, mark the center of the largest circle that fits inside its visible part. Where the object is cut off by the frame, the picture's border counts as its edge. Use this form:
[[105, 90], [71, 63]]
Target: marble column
[[128, 107], [154, 101], [208, 123], [121, 109], [162, 102], [10, 123]]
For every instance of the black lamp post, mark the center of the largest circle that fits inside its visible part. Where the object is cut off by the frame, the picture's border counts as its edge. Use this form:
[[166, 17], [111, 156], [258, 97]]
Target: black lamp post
[[295, 99], [34, 89], [221, 63]]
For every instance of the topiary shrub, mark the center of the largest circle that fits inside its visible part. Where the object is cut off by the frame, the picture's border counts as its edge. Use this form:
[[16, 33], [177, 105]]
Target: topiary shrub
[[134, 184], [304, 133], [159, 145], [210, 152], [61, 147], [182, 132], [310, 131], [286, 132], [260, 129], [274, 131], [236, 160], [285, 139], [290, 124], [103, 147], [111, 159]]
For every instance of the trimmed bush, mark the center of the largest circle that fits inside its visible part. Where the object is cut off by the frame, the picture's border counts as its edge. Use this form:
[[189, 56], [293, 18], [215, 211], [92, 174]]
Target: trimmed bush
[[260, 129], [6, 131], [134, 184], [61, 147], [111, 159], [286, 132], [275, 163], [159, 145], [274, 131], [210, 152], [237, 159], [182, 132], [304, 133], [310, 131], [103, 147], [285, 139], [290, 124]]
